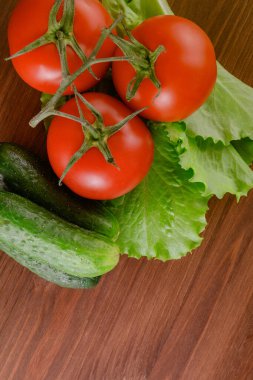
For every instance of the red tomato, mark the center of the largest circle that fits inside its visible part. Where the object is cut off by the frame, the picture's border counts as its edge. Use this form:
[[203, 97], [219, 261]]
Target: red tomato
[[92, 177], [41, 68], [186, 69]]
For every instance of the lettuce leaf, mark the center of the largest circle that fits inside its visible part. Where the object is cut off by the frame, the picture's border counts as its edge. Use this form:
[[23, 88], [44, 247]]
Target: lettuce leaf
[[220, 168], [228, 113], [245, 149], [136, 11], [164, 216]]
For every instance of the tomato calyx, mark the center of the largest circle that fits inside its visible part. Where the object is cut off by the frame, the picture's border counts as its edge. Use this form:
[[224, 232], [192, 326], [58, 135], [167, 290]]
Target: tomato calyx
[[96, 134], [60, 33], [143, 61]]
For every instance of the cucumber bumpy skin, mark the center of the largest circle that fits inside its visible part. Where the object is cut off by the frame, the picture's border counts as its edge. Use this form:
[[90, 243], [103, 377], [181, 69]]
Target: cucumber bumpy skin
[[37, 235], [52, 275], [26, 175]]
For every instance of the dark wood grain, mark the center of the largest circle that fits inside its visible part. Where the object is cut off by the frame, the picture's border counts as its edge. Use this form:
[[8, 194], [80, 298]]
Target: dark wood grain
[[191, 319]]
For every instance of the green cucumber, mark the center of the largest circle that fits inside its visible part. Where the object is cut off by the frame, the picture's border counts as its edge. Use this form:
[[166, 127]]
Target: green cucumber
[[52, 275], [25, 175], [35, 235]]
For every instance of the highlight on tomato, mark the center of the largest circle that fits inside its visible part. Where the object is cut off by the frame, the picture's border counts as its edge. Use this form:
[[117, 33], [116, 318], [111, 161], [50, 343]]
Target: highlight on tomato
[[127, 146], [174, 68], [46, 28]]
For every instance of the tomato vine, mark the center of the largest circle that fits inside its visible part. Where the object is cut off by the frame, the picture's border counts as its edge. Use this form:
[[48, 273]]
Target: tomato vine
[[61, 33]]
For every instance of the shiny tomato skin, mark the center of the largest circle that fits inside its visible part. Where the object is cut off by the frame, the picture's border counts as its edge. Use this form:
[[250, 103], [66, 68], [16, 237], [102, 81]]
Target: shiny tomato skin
[[41, 68], [92, 177], [187, 69]]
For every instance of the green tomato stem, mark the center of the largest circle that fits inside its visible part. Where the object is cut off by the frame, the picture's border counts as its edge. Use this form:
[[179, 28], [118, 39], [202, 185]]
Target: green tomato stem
[[76, 157], [41, 41], [86, 126], [53, 24], [110, 131], [93, 110], [72, 42], [62, 49], [67, 20], [104, 149], [50, 106]]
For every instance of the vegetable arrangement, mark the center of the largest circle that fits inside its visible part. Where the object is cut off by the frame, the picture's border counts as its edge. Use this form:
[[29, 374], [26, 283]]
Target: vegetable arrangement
[[148, 181]]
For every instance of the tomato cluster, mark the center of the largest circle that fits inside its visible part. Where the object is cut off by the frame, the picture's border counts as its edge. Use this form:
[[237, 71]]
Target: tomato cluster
[[168, 72]]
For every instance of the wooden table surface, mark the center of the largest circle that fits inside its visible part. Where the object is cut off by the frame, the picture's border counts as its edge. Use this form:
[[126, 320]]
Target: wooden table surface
[[191, 319]]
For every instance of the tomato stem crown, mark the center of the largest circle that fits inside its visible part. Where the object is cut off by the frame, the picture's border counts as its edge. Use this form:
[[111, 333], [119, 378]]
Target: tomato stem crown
[[96, 135], [60, 33], [143, 61]]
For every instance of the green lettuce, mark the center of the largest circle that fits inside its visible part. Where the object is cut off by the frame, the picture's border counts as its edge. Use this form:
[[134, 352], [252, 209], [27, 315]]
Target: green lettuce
[[163, 217], [220, 168], [228, 113]]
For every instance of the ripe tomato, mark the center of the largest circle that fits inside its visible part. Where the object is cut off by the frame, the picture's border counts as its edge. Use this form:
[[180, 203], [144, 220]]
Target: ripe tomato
[[186, 69], [92, 177], [41, 68]]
